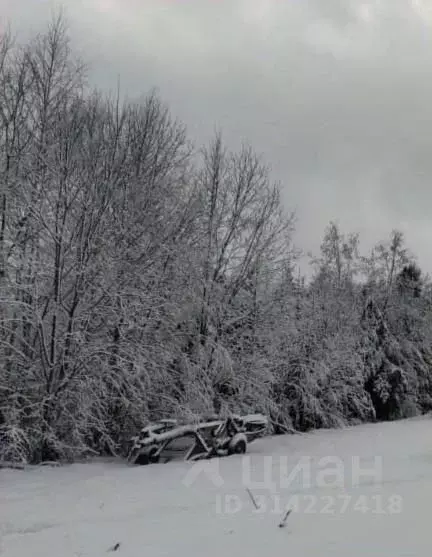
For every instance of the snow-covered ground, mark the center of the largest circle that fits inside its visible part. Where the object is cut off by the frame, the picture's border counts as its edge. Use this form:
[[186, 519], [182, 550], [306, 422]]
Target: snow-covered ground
[[206, 510]]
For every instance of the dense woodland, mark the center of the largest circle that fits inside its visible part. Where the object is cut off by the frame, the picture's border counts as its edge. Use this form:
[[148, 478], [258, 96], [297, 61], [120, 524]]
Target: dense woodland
[[142, 277]]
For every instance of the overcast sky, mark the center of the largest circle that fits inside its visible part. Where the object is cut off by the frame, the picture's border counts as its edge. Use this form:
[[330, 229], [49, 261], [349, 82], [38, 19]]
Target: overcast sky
[[336, 94]]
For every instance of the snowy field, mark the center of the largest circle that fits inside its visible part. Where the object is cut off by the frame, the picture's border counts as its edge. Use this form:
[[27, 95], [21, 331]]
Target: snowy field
[[181, 509]]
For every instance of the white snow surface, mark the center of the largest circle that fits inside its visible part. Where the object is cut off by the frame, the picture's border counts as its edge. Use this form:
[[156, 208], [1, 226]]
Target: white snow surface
[[86, 509]]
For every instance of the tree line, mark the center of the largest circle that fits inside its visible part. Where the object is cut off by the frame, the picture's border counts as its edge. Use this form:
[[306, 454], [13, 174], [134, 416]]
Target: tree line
[[141, 277]]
